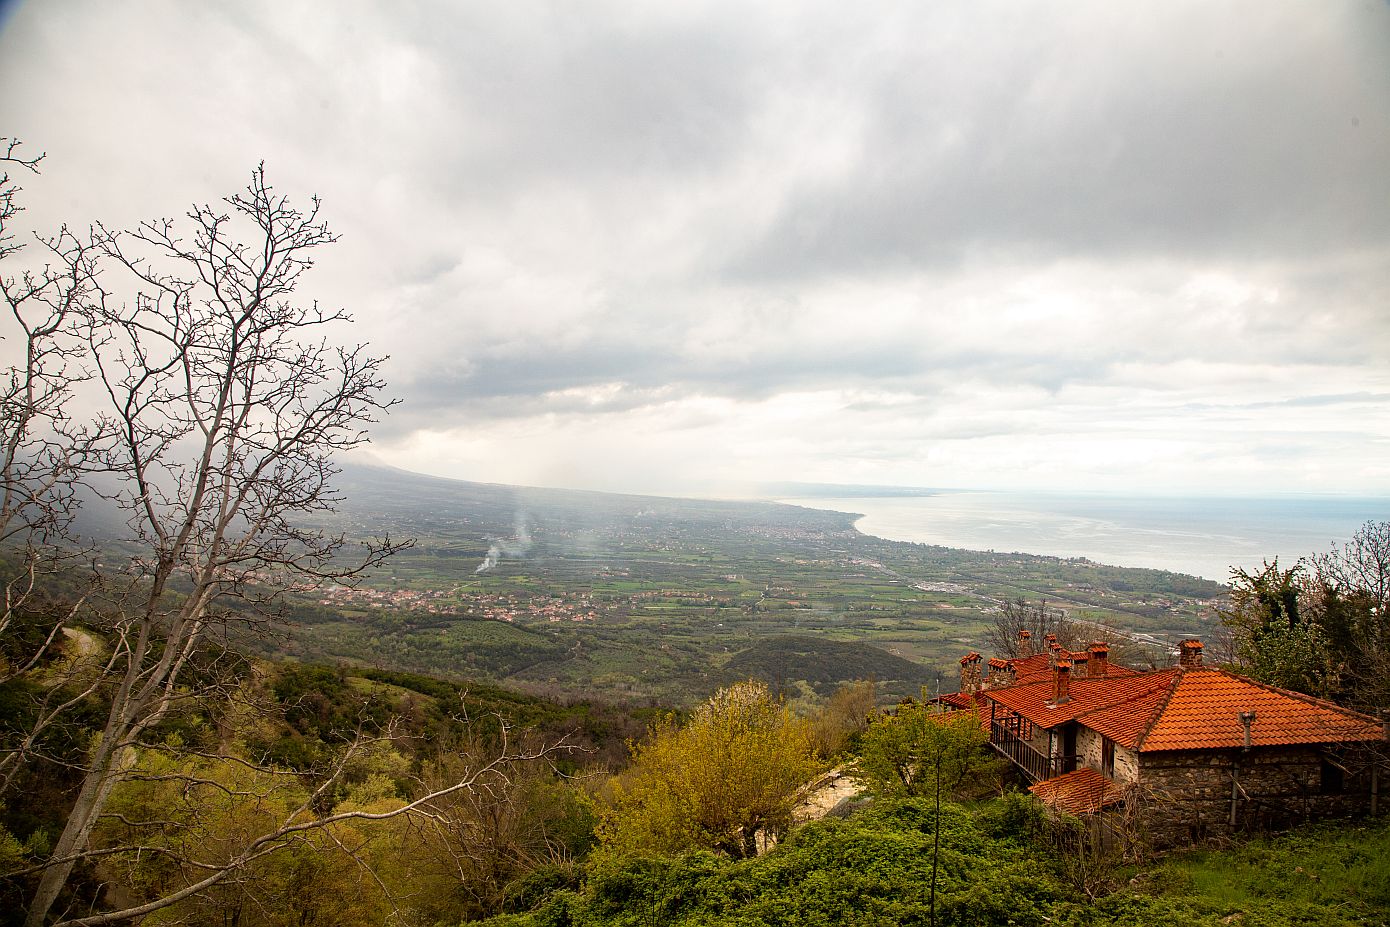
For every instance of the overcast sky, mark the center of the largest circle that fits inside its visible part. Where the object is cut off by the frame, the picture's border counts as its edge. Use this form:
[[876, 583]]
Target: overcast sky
[[678, 247]]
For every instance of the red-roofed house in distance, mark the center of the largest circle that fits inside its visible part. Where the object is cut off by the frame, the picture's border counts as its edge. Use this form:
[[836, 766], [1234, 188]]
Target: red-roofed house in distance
[[1189, 750]]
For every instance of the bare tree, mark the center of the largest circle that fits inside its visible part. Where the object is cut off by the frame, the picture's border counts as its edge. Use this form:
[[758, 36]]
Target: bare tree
[[44, 453], [225, 404], [213, 831], [518, 818], [1038, 619], [1362, 564]]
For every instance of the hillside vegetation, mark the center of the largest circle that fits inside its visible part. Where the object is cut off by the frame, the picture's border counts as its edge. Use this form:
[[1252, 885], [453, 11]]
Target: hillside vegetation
[[626, 829], [875, 869]]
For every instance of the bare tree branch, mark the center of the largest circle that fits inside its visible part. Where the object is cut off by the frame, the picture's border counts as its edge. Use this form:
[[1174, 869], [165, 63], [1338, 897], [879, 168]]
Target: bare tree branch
[[225, 403]]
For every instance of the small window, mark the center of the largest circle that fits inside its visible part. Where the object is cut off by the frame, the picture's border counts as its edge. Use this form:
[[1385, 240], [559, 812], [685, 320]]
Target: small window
[[1333, 779], [1107, 757]]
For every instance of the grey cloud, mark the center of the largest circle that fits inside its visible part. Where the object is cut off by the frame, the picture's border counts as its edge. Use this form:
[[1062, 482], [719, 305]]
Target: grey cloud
[[527, 384], [538, 93], [965, 221], [1317, 401], [1220, 129]]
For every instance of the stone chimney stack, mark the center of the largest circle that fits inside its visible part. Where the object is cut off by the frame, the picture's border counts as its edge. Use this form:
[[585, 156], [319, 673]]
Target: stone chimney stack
[[1100, 659], [970, 673], [1025, 643], [1061, 681], [1190, 654], [1080, 662], [1001, 673], [1054, 650]]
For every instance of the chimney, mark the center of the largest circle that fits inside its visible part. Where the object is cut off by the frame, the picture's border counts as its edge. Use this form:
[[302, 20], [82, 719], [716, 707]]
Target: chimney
[[1190, 654], [970, 673], [1247, 718], [1061, 681], [1054, 650], [1100, 659], [1025, 643], [1001, 674], [1080, 662]]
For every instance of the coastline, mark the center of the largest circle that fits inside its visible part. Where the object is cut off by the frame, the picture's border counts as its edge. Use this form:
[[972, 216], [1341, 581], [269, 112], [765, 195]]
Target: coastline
[[1196, 536]]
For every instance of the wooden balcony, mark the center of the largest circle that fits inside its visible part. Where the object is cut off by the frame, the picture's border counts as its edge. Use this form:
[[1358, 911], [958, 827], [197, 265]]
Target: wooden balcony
[[1036, 765]]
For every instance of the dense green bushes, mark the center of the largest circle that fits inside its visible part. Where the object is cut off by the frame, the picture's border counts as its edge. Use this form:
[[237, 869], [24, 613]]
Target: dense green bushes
[[875, 870]]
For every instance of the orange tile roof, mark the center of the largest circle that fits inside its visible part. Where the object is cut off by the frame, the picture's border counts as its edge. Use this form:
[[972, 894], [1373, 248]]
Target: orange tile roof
[[1038, 667], [1086, 695], [1032, 669], [1203, 711], [1125, 722], [1189, 709], [1078, 792], [963, 701]]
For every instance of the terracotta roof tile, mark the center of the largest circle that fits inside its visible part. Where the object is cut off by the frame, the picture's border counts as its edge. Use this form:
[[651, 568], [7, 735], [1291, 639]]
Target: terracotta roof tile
[[1038, 667], [1078, 792], [1203, 712], [963, 701], [959, 700], [1086, 695], [1127, 721], [1032, 669], [1189, 709]]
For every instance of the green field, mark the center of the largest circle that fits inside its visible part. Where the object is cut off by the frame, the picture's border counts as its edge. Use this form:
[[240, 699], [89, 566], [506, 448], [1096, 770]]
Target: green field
[[663, 600]]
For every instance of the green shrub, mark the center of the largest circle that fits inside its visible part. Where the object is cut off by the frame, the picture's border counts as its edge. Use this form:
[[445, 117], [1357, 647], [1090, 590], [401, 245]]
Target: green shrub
[[1013, 816]]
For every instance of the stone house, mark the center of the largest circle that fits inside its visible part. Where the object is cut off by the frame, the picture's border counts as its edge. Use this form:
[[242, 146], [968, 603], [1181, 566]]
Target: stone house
[[1191, 750]]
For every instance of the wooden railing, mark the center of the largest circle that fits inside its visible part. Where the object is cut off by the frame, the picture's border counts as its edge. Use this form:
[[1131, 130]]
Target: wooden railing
[[1034, 763]]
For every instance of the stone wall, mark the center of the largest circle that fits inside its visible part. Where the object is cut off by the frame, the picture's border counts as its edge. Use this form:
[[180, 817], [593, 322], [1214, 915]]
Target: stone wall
[[1088, 748], [1089, 745], [1188, 796], [1126, 765]]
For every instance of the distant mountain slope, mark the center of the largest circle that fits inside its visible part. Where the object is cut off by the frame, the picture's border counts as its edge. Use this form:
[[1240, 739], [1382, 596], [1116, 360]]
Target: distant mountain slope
[[383, 498], [824, 664]]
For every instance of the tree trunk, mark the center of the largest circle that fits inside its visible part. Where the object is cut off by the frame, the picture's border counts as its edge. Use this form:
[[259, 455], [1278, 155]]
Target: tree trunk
[[96, 788]]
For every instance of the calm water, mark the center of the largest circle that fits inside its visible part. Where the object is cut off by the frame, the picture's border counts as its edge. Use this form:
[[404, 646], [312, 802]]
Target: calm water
[[1201, 536]]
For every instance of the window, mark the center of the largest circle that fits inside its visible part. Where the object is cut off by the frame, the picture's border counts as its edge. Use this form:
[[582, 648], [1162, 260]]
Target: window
[[1332, 779]]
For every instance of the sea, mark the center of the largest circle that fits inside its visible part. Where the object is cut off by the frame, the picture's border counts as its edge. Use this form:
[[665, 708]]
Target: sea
[[1200, 536]]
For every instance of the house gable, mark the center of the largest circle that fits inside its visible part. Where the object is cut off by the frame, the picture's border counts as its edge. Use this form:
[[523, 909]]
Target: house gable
[[1204, 711]]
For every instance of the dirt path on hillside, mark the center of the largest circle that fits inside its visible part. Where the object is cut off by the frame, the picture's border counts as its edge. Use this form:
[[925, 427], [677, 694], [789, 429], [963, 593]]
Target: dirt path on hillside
[[831, 789], [83, 644], [823, 797]]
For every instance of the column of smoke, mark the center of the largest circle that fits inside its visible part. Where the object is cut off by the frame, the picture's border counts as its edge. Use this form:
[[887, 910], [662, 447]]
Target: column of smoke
[[516, 547]]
